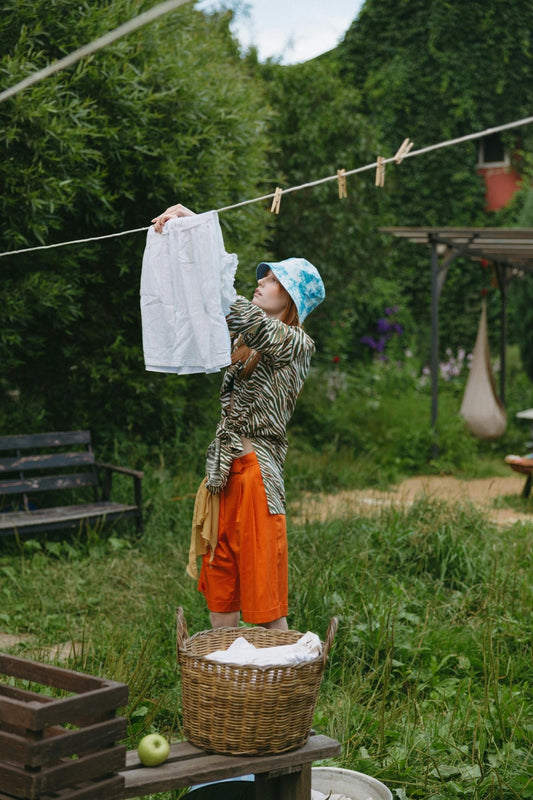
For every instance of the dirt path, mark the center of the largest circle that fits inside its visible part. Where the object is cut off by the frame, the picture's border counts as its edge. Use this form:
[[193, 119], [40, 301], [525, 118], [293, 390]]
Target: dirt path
[[483, 492], [58, 652]]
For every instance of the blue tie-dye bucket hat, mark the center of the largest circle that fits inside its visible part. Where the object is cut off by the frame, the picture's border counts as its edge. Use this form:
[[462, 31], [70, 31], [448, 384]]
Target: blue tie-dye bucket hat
[[300, 278]]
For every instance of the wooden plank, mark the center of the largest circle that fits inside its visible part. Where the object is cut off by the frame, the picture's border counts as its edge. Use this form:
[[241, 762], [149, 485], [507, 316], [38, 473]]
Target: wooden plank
[[45, 461], [291, 786], [179, 751], [23, 694], [15, 781], [38, 440], [32, 785], [96, 696], [76, 710], [136, 473], [205, 768], [81, 770], [108, 789], [81, 709], [26, 752], [17, 713], [47, 483], [49, 675], [63, 516]]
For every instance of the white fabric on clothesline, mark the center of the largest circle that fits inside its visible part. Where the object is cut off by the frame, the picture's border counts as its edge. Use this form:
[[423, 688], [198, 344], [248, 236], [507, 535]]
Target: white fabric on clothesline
[[186, 291]]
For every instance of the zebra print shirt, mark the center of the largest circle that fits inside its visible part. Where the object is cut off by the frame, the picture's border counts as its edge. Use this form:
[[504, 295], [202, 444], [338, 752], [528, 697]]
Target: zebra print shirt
[[260, 406]]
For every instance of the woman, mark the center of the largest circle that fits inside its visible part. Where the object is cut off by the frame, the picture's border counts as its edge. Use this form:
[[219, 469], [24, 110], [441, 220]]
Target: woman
[[247, 572]]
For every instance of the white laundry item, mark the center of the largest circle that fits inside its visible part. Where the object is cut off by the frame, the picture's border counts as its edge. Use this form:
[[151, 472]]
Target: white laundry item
[[186, 292], [316, 795], [244, 653]]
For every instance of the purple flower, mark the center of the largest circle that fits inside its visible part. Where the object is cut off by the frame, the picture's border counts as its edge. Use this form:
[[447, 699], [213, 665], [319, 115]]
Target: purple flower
[[383, 325], [385, 328], [370, 341]]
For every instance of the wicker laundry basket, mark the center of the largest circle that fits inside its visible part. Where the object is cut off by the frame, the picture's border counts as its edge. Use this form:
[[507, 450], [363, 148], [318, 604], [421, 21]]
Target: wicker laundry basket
[[246, 710]]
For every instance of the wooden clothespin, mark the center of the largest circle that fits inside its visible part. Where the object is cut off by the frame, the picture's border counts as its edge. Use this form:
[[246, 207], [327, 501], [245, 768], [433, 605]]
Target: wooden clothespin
[[341, 177], [403, 149], [380, 172], [276, 201]]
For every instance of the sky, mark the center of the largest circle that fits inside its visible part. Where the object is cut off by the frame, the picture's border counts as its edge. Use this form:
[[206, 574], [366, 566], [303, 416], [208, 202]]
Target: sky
[[290, 31]]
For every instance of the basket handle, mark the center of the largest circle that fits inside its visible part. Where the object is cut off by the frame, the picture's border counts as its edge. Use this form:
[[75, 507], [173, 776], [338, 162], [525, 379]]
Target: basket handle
[[181, 631], [332, 629]]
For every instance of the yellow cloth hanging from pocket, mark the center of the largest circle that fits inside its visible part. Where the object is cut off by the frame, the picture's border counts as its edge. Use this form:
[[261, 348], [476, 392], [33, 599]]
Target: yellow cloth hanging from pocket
[[204, 533]]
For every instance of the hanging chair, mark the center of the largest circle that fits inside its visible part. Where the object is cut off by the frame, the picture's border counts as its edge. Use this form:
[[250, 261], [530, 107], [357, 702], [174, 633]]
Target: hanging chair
[[481, 408]]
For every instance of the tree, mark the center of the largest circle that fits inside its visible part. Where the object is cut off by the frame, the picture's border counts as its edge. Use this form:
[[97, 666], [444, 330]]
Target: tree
[[434, 71], [166, 113], [319, 129]]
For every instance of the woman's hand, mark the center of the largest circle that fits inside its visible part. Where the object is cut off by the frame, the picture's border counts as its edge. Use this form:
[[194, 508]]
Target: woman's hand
[[173, 211]]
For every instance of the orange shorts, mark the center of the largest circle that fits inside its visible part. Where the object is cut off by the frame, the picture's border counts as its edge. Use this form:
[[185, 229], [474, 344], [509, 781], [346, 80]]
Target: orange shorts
[[249, 570]]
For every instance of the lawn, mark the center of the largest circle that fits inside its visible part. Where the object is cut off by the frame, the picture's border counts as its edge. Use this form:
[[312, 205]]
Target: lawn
[[428, 685]]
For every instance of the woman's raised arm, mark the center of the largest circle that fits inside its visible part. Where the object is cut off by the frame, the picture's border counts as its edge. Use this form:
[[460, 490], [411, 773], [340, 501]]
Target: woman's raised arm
[[173, 211]]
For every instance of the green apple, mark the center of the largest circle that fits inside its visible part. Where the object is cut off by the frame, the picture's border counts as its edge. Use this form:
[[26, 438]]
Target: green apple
[[153, 750]]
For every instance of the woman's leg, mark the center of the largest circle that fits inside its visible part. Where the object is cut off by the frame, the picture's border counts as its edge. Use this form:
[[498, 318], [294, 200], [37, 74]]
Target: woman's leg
[[277, 624], [224, 620]]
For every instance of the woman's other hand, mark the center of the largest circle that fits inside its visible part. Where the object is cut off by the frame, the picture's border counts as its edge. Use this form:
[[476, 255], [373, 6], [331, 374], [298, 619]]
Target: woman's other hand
[[173, 211]]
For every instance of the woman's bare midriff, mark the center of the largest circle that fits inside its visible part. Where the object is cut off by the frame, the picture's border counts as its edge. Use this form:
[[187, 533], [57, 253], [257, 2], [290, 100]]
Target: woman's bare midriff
[[247, 446]]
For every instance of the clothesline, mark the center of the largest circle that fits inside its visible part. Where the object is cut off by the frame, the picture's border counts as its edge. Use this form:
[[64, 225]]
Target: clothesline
[[97, 44], [381, 162]]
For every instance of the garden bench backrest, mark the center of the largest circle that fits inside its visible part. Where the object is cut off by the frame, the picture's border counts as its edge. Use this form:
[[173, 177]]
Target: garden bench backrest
[[29, 462]]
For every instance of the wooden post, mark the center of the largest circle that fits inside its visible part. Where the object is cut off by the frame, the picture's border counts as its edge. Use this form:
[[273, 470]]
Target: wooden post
[[501, 274], [434, 342]]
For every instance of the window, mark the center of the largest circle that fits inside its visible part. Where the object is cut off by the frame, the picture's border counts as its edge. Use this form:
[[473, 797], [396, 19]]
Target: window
[[492, 152]]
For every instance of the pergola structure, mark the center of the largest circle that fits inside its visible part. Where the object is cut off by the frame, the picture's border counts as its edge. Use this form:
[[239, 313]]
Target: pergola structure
[[509, 249]]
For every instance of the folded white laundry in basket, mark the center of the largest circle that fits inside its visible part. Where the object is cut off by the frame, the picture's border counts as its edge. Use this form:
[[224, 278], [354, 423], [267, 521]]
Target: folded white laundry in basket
[[244, 653]]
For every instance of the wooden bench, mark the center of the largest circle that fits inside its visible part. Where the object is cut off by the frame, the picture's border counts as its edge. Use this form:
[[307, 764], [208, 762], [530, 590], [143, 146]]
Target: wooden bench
[[43, 464], [283, 776], [67, 746]]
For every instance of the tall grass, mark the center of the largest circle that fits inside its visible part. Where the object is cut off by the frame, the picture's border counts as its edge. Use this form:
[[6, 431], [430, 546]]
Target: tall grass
[[428, 686]]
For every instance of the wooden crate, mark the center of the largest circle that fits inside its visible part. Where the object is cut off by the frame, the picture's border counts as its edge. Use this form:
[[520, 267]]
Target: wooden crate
[[63, 743]]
